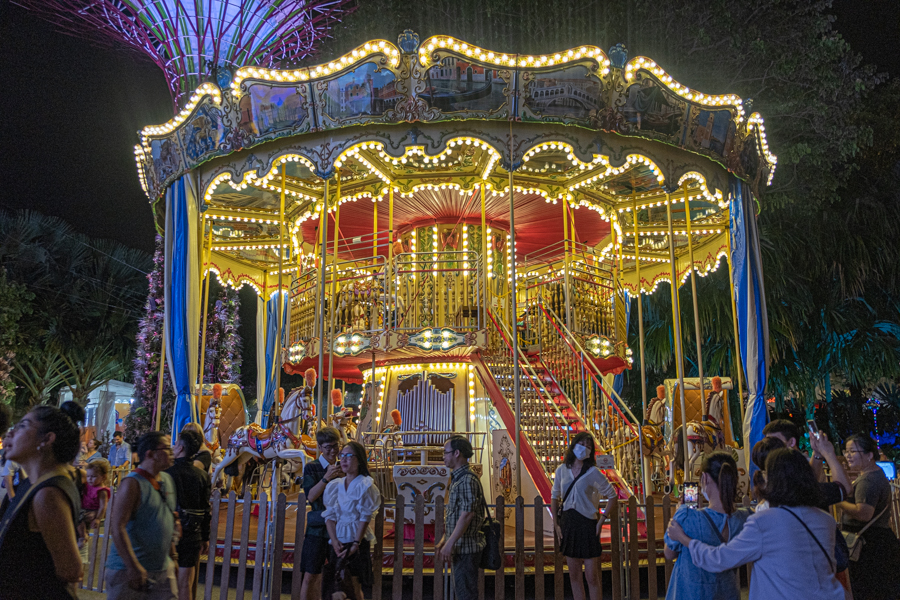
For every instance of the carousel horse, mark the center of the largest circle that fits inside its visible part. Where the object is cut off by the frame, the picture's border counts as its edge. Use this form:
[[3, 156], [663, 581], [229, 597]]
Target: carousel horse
[[304, 397], [342, 419], [702, 437], [652, 438], [211, 424], [278, 441]]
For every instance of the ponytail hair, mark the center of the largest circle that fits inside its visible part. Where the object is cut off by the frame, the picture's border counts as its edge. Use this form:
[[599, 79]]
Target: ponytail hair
[[722, 467]]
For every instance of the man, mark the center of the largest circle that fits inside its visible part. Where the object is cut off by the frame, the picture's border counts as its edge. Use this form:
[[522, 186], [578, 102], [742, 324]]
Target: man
[[832, 492], [316, 476], [463, 540], [193, 488], [785, 431], [142, 525], [119, 452]]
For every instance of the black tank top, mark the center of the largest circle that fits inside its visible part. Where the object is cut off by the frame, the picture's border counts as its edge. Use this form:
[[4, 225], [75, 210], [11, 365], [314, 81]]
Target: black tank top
[[25, 562]]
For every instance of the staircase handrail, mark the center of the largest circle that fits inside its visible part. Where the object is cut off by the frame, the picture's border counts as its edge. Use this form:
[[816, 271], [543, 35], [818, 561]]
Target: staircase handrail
[[534, 377], [593, 370]]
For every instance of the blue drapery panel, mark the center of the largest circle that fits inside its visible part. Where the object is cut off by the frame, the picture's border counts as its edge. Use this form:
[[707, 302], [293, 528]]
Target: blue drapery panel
[[750, 298], [272, 352], [619, 381], [182, 291]]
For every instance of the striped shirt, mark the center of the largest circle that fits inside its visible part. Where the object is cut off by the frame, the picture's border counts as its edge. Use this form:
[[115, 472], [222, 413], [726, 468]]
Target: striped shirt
[[466, 495]]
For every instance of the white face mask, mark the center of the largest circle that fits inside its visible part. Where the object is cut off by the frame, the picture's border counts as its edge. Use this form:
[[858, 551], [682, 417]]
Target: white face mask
[[705, 495], [581, 452]]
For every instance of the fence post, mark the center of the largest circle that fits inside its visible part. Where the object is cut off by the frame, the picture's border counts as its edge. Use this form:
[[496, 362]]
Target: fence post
[[229, 546], [263, 503], [615, 543], [520, 548], [213, 542], [633, 549], [500, 574], [667, 515], [538, 547], [397, 579], [278, 550], [650, 511], [559, 582], [419, 551], [438, 593], [378, 553], [246, 509], [105, 547]]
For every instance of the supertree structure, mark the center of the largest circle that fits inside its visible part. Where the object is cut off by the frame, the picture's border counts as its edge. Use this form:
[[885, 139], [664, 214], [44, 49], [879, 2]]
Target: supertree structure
[[223, 340], [193, 41]]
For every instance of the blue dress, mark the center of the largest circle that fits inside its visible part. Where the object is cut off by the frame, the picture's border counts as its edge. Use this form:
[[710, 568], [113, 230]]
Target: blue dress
[[690, 581]]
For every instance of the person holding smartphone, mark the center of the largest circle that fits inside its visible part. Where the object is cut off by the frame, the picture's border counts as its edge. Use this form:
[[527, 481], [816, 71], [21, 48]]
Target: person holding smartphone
[[714, 525]]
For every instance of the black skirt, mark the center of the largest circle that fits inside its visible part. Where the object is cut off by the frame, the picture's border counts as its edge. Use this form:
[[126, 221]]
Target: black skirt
[[579, 536]]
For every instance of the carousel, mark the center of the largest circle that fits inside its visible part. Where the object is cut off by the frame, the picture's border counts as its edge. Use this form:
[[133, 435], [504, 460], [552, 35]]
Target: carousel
[[461, 231]]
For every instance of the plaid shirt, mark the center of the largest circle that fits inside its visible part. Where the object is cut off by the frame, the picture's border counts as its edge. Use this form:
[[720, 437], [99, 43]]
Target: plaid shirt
[[466, 495]]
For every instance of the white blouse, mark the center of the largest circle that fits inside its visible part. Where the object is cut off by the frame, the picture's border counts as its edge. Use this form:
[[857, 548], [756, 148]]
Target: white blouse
[[358, 503], [585, 496]]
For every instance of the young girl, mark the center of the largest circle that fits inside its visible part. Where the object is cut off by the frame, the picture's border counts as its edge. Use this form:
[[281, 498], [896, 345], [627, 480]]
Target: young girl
[[94, 497]]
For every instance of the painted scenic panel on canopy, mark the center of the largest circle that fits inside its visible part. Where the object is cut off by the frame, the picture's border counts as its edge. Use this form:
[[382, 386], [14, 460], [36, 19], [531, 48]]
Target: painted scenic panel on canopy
[[167, 160], [202, 135], [711, 130], [457, 85], [270, 111], [364, 92], [570, 93]]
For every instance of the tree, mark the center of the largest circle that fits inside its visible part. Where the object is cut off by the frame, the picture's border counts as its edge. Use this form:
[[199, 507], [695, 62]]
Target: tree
[[14, 299], [84, 372], [223, 340], [40, 374]]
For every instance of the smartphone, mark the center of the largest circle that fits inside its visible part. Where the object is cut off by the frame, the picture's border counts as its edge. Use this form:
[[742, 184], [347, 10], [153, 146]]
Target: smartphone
[[813, 428], [691, 494]]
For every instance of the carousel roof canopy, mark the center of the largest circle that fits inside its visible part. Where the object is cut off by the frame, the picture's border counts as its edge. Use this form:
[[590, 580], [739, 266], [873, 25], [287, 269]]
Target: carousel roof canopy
[[427, 128]]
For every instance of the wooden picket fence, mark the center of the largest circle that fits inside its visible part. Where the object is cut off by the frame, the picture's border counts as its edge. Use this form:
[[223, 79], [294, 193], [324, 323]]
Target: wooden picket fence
[[635, 544]]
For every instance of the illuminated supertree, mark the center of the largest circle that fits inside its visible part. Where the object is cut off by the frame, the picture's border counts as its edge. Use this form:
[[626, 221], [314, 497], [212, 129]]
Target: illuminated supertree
[[196, 40]]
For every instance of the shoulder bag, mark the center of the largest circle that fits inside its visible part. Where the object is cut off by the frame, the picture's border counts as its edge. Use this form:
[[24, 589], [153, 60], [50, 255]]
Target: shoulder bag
[[855, 541], [491, 556]]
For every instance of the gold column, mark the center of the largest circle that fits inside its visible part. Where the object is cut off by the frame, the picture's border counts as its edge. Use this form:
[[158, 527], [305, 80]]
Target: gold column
[[323, 247], [738, 363], [279, 364], [687, 217], [484, 254], [333, 305], [637, 268], [676, 323], [204, 298]]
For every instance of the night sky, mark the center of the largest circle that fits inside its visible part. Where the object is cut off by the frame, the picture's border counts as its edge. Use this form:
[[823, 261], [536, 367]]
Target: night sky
[[71, 113]]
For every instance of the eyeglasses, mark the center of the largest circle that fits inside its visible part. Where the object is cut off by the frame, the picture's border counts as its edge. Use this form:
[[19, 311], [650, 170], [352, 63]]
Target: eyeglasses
[[166, 448], [449, 451], [347, 455], [329, 447]]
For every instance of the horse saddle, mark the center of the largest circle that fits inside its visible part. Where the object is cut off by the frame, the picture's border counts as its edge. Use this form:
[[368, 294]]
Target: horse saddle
[[714, 435], [259, 439]]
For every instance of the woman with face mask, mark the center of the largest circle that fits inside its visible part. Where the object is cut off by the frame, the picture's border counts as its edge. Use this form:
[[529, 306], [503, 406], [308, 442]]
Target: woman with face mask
[[577, 488], [714, 525]]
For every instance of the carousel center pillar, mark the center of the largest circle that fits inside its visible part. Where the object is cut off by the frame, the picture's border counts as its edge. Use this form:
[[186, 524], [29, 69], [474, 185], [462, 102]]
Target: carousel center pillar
[[676, 323], [640, 300], [513, 316], [334, 278], [697, 335], [323, 248]]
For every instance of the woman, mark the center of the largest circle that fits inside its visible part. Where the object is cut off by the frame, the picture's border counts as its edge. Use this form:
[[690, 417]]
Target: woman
[[203, 458], [39, 555], [758, 455], [714, 525], [577, 488], [351, 503], [875, 575], [91, 453], [792, 543]]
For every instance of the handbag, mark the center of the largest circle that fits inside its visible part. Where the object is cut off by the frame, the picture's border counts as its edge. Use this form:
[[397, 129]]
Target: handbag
[[491, 556], [855, 541], [559, 507]]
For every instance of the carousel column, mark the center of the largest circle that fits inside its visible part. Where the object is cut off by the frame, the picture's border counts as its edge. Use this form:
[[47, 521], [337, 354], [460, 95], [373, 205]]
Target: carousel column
[[513, 302], [568, 312], [687, 216], [279, 365], [323, 247], [640, 300], [737, 342], [484, 256], [204, 298], [676, 323], [334, 290]]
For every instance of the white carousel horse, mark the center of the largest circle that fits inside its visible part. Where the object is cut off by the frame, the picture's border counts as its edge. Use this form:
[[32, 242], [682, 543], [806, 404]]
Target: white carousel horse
[[702, 437], [211, 424], [652, 437], [278, 441]]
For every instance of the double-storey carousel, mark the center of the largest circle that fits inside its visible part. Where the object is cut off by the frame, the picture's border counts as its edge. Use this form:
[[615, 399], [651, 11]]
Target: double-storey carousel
[[461, 231]]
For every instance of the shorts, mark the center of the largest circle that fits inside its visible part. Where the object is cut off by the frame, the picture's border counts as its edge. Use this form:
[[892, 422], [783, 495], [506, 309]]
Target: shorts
[[188, 554], [163, 586], [313, 554]]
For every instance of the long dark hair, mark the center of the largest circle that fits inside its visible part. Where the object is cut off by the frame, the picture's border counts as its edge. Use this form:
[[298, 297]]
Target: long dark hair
[[360, 452], [790, 481], [63, 422], [570, 452], [864, 443], [758, 455], [722, 467]]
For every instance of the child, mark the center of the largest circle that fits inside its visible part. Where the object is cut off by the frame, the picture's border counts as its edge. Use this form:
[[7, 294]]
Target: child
[[94, 497]]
